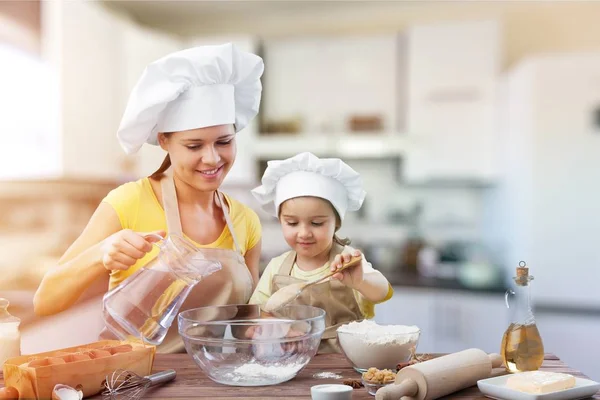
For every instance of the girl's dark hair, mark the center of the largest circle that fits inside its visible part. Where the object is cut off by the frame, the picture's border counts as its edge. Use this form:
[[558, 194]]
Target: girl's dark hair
[[165, 164]]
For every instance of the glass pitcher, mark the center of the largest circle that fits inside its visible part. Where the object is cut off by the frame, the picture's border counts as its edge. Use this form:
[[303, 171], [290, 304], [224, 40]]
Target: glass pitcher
[[522, 348], [145, 304]]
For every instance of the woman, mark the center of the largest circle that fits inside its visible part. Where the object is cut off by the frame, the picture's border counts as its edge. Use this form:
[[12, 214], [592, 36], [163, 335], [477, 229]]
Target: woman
[[191, 103]]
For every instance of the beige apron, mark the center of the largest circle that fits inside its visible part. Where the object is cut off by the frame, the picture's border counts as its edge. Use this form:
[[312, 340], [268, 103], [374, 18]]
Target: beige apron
[[332, 296], [231, 285]]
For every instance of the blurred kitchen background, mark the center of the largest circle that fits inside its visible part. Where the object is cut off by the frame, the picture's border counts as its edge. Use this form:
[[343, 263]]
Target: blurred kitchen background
[[475, 126]]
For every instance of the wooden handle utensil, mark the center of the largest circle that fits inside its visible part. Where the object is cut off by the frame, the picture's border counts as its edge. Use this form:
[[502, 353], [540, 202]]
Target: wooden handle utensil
[[289, 293]]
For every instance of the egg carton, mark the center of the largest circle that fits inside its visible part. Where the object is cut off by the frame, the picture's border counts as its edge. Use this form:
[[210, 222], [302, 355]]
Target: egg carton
[[83, 367]]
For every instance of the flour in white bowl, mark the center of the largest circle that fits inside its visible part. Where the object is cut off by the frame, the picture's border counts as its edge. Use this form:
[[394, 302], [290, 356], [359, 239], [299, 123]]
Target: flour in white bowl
[[373, 333], [368, 344]]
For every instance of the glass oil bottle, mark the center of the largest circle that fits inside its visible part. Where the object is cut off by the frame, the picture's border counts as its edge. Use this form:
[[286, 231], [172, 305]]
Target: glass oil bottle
[[522, 348]]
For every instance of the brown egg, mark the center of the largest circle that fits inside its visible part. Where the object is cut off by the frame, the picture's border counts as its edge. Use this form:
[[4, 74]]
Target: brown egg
[[40, 362], [99, 353], [76, 357], [124, 348], [9, 393], [55, 361], [43, 362]]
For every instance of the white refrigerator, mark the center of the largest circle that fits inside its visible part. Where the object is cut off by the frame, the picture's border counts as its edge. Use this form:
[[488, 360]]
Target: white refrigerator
[[546, 208]]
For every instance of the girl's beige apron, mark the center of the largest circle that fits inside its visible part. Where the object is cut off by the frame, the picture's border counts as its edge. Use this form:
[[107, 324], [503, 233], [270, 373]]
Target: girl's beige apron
[[333, 296], [231, 285]]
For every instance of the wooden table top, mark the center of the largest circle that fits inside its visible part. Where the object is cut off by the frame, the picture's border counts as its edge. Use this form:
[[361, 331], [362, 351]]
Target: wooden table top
[[191, 383]]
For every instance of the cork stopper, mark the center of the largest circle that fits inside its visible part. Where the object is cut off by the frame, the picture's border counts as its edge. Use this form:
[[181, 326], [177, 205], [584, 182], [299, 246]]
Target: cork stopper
[[522, 270], [523, 276]]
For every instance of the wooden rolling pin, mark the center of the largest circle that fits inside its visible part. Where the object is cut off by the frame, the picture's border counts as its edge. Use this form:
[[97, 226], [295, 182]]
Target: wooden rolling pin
[[441, 376]]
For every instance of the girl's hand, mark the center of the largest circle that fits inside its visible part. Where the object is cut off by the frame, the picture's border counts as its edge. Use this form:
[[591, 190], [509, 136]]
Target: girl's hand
[[353, 276]]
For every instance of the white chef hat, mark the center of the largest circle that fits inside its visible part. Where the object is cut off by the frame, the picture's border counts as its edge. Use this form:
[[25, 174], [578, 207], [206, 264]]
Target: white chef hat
[[194, 88], [307, 175]]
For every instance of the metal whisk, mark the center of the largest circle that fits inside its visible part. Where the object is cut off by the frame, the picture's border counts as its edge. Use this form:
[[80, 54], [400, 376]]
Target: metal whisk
[[121, 384]]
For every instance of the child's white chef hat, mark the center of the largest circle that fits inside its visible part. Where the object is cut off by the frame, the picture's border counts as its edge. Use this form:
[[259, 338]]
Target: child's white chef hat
[[194, 88], [307, 175]]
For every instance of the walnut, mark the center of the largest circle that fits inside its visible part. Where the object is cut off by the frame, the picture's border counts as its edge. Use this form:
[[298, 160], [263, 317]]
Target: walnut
[[355, 383], [373, 375]]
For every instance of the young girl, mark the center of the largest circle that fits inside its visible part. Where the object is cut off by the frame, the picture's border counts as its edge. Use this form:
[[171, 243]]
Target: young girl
[[310, 197]]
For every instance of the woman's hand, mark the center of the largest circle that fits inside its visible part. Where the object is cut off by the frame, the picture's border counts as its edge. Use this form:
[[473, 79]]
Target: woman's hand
[[353, 276], [121, 250]]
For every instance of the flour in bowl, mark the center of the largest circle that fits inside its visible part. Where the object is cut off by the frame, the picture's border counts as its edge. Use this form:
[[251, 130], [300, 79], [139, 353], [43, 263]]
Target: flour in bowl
[[262, 371], [367, 344], [373, 333], [254, 374]]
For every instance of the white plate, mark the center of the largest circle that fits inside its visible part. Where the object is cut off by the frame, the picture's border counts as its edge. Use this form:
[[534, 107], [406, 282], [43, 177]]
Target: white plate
[[496, 389]]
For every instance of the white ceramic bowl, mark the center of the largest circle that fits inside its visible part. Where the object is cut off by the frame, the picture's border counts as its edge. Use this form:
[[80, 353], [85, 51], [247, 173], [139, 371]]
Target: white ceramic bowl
[[331, 392], [367, 350]]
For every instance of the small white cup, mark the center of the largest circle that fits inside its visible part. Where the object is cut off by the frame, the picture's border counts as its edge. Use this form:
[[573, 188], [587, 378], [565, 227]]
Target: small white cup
[[331, 392]]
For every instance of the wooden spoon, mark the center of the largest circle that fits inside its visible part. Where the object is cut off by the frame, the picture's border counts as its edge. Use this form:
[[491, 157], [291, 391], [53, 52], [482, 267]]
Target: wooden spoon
[[289, 293]]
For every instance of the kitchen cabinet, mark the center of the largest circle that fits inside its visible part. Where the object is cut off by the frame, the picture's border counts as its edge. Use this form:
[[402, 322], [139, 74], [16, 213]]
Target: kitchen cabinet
[[97, 57], [449, 320], [103, 75], [445, 57], [451, 78], [344, 145], [81, 43], [325, 80], [547, 200]]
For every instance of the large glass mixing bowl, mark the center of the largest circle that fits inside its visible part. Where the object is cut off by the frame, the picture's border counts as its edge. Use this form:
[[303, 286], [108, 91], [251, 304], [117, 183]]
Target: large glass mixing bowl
[[241, 345]]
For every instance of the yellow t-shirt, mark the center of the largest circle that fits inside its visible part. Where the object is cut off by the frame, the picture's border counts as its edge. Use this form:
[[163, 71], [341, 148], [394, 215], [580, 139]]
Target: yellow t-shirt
[[264, 290], [139, 210]]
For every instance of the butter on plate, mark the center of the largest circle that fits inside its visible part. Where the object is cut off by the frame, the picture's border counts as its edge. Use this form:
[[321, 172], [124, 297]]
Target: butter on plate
[[540, 382]]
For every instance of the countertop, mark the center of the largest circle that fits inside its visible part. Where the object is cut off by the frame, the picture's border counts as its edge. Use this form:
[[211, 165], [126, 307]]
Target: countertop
[[192, 383]]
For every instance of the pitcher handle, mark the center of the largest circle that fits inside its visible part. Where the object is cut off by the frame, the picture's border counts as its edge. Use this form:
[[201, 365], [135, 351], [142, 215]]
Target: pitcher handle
[[157, 236], [508, 293]]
